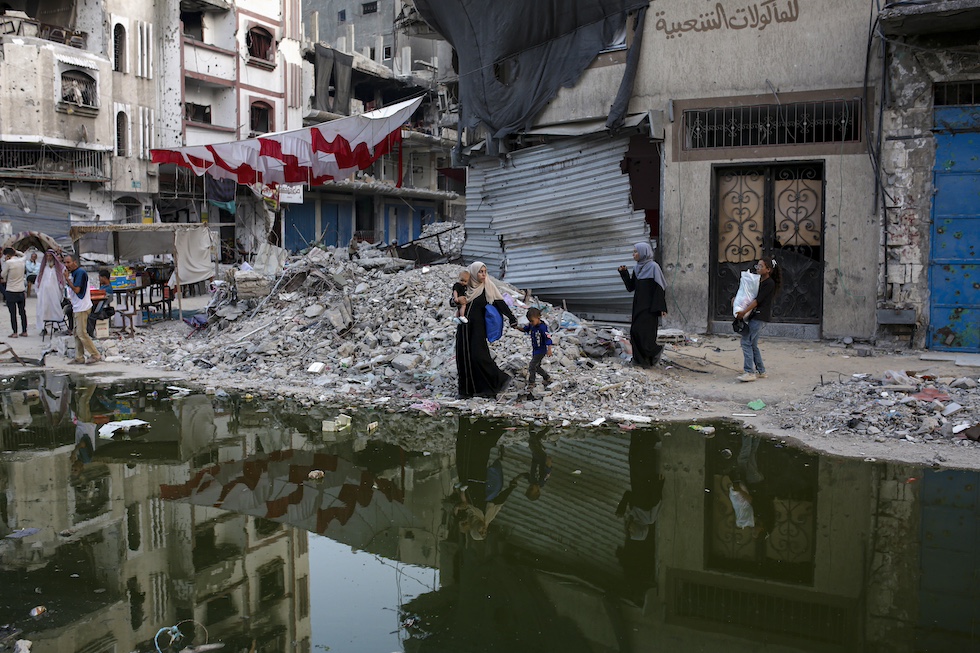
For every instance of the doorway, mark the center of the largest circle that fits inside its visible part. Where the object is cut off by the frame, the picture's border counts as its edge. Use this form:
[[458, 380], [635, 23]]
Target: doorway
[[763, 210]]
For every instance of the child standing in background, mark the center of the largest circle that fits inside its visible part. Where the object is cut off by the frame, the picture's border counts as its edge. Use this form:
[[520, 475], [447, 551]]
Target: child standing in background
[[540, 347], [459, 296]]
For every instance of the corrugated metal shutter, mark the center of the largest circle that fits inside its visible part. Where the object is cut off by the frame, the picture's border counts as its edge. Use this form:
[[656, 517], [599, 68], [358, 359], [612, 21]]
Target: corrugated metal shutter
[[557, 219]]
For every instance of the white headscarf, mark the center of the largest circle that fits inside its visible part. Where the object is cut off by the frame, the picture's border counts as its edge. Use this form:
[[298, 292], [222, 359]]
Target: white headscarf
[[476, 287]]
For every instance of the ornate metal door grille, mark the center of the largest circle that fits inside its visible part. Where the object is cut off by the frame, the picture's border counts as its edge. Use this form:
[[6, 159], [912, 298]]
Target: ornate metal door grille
[[771, 209]]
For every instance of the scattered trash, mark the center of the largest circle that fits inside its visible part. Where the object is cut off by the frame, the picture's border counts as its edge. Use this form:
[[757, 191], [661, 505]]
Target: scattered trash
[[931, 394], [23, 646], [894, 377], [637, 419], [577, 472], [38, 611], [706, 431], [743, 414], [427, 406], [316, 368], [959, 428], [756, 404], [109, 430], [597, 422], [952, 408], [24, 532], [315, 475], [726, 453], [339, 423], [372, 427], [626, 426]]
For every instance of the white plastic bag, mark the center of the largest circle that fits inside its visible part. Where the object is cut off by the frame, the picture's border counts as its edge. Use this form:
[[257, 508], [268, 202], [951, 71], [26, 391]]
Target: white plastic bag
[[748, 289]]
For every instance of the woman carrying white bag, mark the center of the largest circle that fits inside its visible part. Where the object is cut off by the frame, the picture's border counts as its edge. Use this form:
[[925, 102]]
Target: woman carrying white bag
[[757, 314]]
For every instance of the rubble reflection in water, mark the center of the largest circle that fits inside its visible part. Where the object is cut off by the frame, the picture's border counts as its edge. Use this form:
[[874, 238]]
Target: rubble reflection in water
[[249, 525]]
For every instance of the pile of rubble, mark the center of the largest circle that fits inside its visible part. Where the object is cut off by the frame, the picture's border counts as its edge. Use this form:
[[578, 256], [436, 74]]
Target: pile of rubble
[[370, 331], [897, 406]]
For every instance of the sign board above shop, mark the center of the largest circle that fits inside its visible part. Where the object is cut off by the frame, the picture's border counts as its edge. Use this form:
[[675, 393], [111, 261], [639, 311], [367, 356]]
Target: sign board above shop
[[290, 193]]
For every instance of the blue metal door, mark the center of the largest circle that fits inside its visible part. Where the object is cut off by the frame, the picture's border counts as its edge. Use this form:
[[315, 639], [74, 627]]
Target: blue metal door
[[299, 224], [954, 269], [328, 225]]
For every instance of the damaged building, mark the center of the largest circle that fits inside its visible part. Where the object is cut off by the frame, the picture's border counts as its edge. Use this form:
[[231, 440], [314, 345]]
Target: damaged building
[[929, 160], [620, 121], [361, 64], [78, 112]]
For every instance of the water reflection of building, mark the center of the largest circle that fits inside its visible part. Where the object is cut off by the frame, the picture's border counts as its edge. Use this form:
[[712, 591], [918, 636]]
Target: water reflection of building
[[114, 562], [833, 560]]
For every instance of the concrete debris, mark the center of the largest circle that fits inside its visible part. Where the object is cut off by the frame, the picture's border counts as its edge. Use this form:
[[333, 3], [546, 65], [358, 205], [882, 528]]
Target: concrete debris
[[251, 285], [334, 331], [331, 329]]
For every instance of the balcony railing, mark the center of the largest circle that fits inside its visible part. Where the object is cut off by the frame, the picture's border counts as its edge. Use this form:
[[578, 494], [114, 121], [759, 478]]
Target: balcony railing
[[52, 163], [13, 24]]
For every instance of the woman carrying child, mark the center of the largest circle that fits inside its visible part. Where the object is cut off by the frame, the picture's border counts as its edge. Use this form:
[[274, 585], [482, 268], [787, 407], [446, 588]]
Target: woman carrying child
[[478, 374]]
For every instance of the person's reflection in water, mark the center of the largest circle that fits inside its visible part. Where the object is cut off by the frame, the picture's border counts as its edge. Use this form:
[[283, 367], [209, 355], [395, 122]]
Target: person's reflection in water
[[747, 491], [640, 506], [85, 431], [540, 470], [481, 485], [489, 601]]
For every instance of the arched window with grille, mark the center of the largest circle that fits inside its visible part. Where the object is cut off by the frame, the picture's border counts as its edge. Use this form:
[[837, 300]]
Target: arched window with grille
[[122, 134], [79, 88], [119, 48]]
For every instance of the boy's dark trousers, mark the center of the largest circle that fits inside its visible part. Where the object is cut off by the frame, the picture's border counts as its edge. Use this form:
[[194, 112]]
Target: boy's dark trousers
[[535, 368]]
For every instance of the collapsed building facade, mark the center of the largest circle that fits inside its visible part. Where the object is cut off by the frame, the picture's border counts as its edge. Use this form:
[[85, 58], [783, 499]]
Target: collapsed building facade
[[361, 64], [623, 121]]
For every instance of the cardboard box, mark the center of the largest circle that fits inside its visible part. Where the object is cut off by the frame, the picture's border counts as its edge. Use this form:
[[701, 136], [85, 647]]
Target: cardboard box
[[102, 329]]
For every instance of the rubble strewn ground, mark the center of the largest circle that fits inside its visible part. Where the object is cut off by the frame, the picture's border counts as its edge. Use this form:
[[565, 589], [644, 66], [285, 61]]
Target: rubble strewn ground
[[376, 331]]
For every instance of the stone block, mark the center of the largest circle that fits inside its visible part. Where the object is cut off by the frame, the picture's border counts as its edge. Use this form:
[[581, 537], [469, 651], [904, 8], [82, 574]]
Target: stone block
[[405, 362]]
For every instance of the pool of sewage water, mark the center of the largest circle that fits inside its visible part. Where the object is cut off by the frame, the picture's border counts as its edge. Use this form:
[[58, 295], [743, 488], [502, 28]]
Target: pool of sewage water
[[225, 523]]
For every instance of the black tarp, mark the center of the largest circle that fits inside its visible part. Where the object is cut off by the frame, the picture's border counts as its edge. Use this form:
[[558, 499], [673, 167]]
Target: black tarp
[[534, 47]]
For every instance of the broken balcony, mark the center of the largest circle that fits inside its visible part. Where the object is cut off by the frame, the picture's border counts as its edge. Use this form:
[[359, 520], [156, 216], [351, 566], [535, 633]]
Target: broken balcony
[[930, 17]]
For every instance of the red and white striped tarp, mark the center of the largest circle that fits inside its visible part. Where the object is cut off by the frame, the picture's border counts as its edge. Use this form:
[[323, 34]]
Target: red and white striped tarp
[[312, 155]]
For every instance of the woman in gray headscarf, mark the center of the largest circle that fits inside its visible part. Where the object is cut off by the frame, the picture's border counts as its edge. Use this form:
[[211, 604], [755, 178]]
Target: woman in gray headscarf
[[649, 303]]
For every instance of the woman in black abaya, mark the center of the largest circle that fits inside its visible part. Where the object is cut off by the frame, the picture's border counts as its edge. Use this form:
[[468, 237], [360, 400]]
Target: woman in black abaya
[[478, 375], [649, 303]]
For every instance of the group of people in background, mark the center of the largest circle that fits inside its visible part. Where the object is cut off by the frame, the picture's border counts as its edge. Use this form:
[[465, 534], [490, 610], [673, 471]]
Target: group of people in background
[[474, 291], [56, 280]]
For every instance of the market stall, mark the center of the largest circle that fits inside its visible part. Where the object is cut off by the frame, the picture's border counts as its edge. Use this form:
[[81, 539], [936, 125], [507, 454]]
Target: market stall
[[191, 246]]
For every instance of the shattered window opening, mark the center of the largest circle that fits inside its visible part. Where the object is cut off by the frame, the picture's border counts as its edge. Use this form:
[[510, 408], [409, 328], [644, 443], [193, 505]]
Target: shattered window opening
[[260, 44], [798, 123]]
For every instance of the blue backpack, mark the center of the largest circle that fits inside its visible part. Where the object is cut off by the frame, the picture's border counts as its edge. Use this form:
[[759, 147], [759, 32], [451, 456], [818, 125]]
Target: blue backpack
[[495, 323]]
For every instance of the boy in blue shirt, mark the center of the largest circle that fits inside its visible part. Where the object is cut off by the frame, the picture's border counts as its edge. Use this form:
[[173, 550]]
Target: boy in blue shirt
[[540, 347]]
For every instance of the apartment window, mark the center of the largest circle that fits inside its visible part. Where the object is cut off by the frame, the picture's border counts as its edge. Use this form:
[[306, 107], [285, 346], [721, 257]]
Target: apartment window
[[797, 123], [260, 44], [369, 8], [119, 48], [78, 88], [272, 584], [197, 113], [122, 131], [193, 22], [387, 53], [260, 118], [342, 16]]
